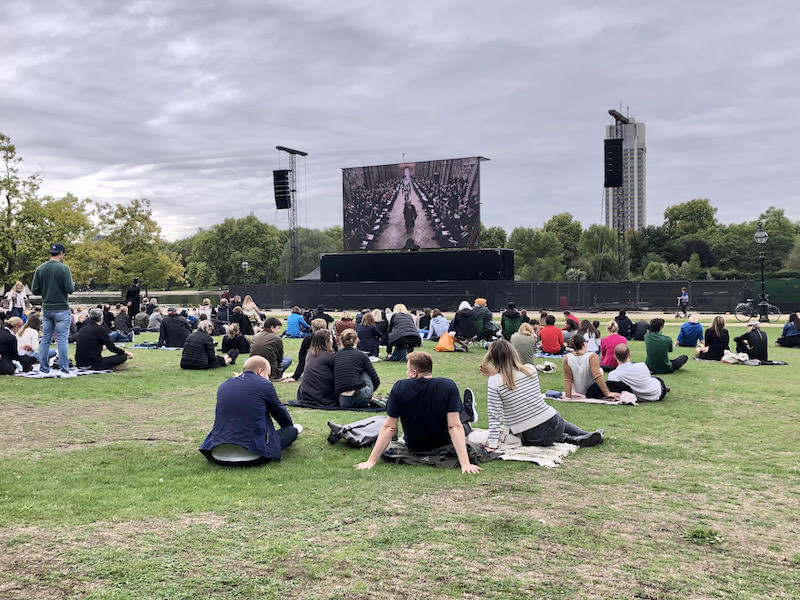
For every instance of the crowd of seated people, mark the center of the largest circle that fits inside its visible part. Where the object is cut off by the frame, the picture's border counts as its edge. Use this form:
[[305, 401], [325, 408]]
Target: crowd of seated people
[[365, 210], [450, 210]]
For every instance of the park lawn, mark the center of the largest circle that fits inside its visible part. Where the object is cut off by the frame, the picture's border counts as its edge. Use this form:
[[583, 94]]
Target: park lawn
[[104, 495]]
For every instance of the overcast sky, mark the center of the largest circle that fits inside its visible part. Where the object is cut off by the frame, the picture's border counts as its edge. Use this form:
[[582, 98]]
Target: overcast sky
[[184, 102]]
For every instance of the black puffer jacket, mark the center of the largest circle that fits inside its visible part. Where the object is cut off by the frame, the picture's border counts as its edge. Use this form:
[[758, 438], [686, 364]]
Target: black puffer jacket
[[198, 352], [402, 327]]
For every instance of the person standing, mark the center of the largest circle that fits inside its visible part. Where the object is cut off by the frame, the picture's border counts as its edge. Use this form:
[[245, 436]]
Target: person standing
[[683, 301], [410, 215], [19, 300], [133, 298], [53, 281]]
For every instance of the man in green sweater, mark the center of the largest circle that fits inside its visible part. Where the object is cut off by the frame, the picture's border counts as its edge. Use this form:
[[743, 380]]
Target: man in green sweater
[[658, 347], [53, 280]]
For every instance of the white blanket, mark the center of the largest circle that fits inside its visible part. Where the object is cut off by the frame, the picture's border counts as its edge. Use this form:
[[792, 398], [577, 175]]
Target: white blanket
[[512, 449]]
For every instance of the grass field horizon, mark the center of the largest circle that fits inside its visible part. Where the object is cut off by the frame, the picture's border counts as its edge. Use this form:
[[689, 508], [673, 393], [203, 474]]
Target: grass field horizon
[[103, 494]]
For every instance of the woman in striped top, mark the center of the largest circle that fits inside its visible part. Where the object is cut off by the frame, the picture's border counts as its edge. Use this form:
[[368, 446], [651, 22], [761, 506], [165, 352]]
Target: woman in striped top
[[516, 401]]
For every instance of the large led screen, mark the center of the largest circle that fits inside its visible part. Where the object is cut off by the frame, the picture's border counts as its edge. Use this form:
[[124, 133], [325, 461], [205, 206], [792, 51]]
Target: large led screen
[[431, 204]]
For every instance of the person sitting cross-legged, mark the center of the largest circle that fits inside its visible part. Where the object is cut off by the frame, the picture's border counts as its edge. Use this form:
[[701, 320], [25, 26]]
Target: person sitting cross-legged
[[296, 326], [636, 376], [355, 377], [235, 340], [431, 411], [790, 335], [583, 375], [717, 341], [92, 338], [198, 350], [754, 342], [551, 336], [319, 384], [658, 347], [243, 432], [268, 343], [175, 328], [516, 401], [691, 332]]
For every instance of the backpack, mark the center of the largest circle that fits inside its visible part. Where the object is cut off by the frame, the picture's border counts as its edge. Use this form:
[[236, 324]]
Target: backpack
[[358, 434], [446, 343]]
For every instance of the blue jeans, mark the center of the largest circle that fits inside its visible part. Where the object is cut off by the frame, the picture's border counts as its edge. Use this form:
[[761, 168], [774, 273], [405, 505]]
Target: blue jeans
[[399, 354], [287, 360], [58, 321], [360, 398], [116, 336], [18, 312], [35, 354]]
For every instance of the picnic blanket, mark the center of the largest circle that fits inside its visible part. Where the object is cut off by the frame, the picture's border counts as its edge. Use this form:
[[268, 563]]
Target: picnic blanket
[[371, 408], [625, 398], [35, 374], [153, 346], [445, 457], [511, 448], [548, 355]]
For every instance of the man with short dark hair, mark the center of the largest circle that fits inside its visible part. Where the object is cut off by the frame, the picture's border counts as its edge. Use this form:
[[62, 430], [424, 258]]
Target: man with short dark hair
[[53, 280], [431, 412], [174, 329], [658, 347], [754, 342], [92, 338], [636, 376], [625, 325], [321, 314], [268, 343], [243, 432], [123, 328], [552, 337]]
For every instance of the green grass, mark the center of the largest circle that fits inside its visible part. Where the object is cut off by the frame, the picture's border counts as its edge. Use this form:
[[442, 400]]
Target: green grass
[[104, 495]]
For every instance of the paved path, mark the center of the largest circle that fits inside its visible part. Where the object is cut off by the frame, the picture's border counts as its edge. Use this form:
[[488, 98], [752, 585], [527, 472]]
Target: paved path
[[394, 233]]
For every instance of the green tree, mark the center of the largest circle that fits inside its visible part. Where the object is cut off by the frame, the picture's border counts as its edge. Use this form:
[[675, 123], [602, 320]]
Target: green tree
[[793, 260], [692, 218], [310, 244], [335, 233], [695, 268], [226, 245], [781, 237], [96, 259], [656, 271], [492, 237], [599, 246], [538, 255], [14, 189], [568, 231], [651, 257]]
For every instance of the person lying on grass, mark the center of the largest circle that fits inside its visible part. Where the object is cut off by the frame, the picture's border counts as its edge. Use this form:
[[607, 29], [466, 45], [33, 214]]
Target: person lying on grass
[[243, 432], [516, 401], [431, 411]]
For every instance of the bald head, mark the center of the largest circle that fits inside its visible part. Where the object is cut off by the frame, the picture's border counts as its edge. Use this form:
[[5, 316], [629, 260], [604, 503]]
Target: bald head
[[258, 365]]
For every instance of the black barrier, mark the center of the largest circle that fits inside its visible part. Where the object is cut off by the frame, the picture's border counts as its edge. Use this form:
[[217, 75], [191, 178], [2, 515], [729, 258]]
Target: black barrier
[[705, 296]]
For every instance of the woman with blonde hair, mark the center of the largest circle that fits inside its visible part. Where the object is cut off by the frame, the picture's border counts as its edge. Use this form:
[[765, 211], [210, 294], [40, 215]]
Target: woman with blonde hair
[[382, 325], [19, 300], [608, 362], [403, 335], [28, 338], [251, 311], [369, 338], [233, 339], [205, 308], [515, 401], [524, 341]]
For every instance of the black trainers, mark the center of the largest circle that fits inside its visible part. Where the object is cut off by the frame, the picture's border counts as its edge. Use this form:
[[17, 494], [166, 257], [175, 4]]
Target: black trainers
[[593, 439], [470, 406], [233, 353]]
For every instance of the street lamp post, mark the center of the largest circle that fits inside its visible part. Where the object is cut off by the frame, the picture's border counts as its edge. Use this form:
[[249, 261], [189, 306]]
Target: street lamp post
[[760, 238], [245, 265]]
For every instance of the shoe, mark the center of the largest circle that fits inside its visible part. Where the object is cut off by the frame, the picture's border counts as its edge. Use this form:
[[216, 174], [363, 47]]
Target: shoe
[[67, 374], [48, 374], [233, 353], [470, 406], [593, 439], [299, 428], [666, 388]]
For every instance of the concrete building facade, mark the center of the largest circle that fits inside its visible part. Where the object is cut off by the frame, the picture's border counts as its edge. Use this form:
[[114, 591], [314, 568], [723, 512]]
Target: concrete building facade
[[627, 206]]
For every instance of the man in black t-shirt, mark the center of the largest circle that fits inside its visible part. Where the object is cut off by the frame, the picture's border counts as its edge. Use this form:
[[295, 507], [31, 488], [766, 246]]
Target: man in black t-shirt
[[431, 412]]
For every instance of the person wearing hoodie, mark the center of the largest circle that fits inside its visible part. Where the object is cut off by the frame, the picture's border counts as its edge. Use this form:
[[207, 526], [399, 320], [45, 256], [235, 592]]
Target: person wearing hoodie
[[438, 325], [510, 320], [625, 325], [463, 325], [484, 315], [691, 332]]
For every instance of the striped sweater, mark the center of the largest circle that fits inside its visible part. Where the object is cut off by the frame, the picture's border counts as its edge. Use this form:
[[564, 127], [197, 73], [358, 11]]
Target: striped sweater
[[519, 409]]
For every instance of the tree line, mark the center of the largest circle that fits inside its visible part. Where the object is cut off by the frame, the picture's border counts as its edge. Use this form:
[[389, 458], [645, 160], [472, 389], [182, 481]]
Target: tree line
[[108, 245]]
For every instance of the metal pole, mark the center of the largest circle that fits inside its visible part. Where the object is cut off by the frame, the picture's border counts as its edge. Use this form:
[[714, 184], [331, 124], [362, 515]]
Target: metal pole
[[292, 218], [763, 311]]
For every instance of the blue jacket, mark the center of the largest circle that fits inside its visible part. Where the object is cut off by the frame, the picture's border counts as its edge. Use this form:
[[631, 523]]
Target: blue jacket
[[246, 405], [689, 334], [789, 330], [294, 324]]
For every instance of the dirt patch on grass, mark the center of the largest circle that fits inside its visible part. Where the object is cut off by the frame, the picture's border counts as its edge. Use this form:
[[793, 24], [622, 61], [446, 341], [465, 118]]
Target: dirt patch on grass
[[34, 430]]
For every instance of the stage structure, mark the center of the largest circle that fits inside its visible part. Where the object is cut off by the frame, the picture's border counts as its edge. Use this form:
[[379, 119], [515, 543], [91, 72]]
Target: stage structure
[[282, 179]]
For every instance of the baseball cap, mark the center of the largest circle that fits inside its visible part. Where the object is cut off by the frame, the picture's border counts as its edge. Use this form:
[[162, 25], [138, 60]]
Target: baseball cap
[[754, 324], [57, 249]]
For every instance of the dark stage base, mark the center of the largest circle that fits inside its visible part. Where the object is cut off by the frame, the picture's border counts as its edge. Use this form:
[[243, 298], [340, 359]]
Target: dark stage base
[[418, 265], [706, 296]]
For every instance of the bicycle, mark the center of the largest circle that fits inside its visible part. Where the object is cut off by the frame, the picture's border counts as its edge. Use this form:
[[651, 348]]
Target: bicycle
[[749, 310]]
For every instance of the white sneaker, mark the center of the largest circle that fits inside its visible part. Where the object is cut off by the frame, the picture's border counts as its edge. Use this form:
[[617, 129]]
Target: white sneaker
[[67, 375], [299, 428]]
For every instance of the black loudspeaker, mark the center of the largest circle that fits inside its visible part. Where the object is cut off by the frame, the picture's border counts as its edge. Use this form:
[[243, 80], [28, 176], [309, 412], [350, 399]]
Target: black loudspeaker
[[283, 195], [613, 154]]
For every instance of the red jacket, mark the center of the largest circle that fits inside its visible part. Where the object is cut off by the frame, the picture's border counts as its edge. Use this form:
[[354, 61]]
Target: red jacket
[[552, 340]]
